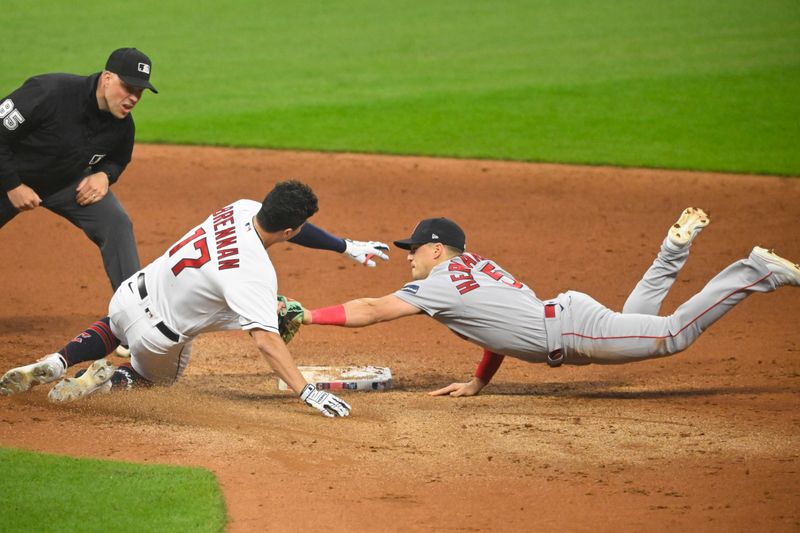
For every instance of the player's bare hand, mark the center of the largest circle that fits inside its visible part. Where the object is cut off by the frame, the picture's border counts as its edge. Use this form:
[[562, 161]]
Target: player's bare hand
[[92, 188], [327, 403], [363, 251], [459, 389], [23, 198]]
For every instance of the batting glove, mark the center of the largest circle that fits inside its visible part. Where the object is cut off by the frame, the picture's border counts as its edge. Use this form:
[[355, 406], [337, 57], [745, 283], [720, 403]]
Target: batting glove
[[363, 251], [328, 404]]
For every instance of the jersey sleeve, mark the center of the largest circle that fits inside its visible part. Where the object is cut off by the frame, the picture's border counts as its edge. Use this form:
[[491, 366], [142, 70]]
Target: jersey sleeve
[[312, 236], [256, 303], [21, 111], [432, 295]]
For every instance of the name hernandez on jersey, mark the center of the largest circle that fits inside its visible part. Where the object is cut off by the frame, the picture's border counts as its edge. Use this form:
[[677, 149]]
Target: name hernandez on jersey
[[218, 277], [482, 303], [462, 268]]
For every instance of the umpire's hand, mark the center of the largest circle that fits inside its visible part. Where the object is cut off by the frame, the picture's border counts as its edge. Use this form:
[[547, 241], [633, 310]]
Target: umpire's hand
[[23, 198], [92, 188]]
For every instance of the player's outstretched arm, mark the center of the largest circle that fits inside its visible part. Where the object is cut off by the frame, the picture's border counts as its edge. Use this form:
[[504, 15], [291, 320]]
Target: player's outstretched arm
[[483, 375], [361, 252], [277, 354], [361, 312]]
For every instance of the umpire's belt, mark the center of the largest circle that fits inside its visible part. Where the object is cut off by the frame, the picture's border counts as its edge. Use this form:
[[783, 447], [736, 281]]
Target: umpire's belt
[[168, 333], [552, 326]]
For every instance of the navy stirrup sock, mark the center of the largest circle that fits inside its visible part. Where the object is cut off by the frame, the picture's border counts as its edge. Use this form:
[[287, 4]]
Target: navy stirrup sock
[[94, 343]]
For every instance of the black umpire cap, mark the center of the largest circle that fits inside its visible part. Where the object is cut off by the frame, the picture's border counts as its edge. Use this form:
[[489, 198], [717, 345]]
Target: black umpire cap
[[132, 66], [442, 230]]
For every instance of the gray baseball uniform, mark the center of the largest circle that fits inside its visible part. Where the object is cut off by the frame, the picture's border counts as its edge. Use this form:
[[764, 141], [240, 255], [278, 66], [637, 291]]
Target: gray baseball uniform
[[484, 304]]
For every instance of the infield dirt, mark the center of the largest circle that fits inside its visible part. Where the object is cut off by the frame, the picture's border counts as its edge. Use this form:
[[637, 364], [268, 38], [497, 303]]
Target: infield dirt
[[707, 440]]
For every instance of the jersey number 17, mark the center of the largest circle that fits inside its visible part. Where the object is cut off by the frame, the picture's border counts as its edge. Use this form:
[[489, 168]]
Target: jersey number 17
[[200, 244]]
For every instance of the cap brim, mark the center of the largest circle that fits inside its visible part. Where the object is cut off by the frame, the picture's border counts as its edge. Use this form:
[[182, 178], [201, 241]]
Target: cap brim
[[138, 82], [406, 244]]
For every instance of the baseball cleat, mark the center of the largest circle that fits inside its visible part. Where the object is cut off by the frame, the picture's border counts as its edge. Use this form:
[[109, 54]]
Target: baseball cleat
[[785, 272], [96, 379], [691, 222], [23, 378]]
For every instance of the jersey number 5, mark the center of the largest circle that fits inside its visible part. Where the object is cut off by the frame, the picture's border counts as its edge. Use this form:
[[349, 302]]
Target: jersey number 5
[[10, 115], [200, 244], [498, 275]]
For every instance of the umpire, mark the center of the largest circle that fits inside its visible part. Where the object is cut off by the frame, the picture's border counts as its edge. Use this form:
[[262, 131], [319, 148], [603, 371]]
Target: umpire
[[64, 139]]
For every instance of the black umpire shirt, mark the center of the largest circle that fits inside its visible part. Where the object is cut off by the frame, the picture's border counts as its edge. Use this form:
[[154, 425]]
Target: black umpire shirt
[[52, 132]]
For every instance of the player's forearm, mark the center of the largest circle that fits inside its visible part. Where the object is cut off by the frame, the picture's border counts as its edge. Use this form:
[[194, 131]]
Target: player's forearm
[[362, 312], [488, 366], [353, 314], [312, 236], [281, 361]]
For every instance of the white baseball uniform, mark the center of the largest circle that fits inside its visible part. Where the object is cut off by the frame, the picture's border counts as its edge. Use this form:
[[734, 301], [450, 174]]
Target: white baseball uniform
[[217, 277], [484, 304]]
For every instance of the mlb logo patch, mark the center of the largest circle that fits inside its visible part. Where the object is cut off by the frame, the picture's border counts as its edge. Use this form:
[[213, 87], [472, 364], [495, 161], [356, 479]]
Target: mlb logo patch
[[144, 67]]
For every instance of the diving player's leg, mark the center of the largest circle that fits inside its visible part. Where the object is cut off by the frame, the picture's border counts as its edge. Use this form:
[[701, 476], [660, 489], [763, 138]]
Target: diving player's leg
[[762, 271], [648, 295], [596, 333]]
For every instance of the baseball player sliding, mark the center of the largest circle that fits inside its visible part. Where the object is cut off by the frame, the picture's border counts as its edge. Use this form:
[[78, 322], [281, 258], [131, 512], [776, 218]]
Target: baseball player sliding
[[218, 276], [486, 305]]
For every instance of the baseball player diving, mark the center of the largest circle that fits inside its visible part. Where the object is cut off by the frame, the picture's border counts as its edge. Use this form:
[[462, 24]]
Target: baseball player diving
[[486, 305], [218, 276]]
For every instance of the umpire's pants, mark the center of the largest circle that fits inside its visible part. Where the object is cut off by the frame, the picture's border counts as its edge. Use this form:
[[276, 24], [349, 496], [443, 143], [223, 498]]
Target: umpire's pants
[[106, 223]]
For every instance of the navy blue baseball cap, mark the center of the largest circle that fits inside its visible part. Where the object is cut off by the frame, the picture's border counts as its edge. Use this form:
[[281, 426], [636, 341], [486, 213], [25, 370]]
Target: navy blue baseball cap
[[441, 230], [132, 66]]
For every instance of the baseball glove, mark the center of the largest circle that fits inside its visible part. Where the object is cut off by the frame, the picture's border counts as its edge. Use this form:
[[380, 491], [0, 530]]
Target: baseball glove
[[290, 318]]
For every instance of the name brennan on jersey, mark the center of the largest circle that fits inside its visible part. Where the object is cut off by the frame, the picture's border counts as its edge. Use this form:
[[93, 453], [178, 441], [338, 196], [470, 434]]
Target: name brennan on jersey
[[225, 238]]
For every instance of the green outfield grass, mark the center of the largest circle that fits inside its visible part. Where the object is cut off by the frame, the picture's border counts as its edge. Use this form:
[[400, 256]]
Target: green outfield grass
[[48, 493], [668, 83]]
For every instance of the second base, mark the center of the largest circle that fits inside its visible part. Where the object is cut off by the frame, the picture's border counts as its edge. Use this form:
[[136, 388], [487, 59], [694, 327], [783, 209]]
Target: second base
[[361, 378]]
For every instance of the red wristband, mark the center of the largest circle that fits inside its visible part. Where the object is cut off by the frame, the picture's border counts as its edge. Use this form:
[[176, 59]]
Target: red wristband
[[489, 365], [329, 316]]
